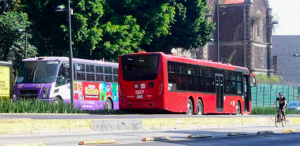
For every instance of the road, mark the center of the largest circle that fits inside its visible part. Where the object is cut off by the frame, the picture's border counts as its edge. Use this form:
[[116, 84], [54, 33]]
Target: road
[[177, 137], [291, 139]]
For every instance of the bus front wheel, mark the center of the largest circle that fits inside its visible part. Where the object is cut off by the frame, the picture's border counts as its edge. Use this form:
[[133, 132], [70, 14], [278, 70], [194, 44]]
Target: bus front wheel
[[56, 100], [238, 108], [190, 107], [108, 105]]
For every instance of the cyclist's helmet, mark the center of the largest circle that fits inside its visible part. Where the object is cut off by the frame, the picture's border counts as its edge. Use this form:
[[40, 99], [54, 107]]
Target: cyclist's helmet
[[280, 93]]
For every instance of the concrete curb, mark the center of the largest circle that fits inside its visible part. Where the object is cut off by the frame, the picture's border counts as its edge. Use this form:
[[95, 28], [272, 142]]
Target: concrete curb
[[39, 126], [30, 144], [265, 132], [236, 133], [156, 138], [93, 142], [199, 136]]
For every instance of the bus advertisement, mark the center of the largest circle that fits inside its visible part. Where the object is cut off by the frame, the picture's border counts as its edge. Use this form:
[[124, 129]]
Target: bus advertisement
[[47, 78], [157, 81]]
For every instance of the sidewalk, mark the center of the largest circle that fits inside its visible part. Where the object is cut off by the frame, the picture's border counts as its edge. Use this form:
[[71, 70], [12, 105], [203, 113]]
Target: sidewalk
[[119, 123]]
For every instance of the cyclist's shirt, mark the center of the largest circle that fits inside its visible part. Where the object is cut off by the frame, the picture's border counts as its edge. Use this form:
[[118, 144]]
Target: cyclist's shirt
[[281, 101]]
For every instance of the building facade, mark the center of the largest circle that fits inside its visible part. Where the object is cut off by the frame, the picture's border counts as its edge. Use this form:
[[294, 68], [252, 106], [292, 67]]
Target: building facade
[[285, 65], [245, 35]]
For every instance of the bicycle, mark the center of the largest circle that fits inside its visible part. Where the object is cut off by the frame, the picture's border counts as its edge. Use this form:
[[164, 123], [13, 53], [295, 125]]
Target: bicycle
[[281, 119]]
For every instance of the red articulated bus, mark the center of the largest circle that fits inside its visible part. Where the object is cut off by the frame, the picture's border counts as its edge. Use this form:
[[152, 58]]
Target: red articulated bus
[[157, 81]]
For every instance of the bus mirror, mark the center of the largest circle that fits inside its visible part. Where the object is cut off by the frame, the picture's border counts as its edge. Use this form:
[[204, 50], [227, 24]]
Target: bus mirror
[[254, 81]]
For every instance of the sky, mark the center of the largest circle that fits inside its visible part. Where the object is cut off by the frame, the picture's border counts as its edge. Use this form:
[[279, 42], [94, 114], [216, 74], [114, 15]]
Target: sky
[[287, 12]]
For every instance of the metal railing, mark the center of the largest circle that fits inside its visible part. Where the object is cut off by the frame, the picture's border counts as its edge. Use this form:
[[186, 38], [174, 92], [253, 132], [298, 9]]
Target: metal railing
[[266, 94]]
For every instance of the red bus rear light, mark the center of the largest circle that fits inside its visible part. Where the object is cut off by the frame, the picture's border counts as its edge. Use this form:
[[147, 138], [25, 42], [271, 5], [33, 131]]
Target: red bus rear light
[[160, 89], [136, 86]]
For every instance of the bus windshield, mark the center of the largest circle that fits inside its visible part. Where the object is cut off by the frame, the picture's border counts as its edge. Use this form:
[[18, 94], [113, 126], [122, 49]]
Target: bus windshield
[[142, 67], [37, 72]]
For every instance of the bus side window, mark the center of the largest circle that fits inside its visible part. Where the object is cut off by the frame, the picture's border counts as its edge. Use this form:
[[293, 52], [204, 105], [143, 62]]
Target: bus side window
[[99, 73], [181, 77], [66, 71], [108, 74], [80, 71], [61, 78], [115, 74], [201, 80], [210, 79], [191, 78], [239, 83], [231, 86], [90, 72], [171, 76]]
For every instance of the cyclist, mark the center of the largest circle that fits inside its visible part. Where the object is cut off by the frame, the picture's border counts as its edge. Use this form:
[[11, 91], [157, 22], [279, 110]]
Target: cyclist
[[282, 105]]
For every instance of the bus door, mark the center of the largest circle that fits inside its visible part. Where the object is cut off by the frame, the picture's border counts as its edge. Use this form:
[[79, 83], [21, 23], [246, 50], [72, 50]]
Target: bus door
[[246, 93], [219, 83]]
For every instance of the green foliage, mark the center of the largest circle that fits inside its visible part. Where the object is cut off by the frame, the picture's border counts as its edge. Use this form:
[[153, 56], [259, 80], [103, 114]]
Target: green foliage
[[128, 24], [265, 79], [50, 28], [12, 44], [267, 110], [7, 5], [189, 29], [229, 59], [109, 28]]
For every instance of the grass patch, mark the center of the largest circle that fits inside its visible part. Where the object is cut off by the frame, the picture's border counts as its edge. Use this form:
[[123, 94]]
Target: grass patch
[[40, 106], [35, 106], [267, 110]]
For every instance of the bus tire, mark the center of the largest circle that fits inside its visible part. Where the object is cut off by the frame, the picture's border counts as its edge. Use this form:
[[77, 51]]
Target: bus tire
[[56, 100], [238, 109], [190, 107], [108, 105], [199, 107]]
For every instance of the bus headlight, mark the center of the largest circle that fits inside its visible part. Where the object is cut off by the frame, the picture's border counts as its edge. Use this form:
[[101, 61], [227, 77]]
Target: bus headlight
[[45, 92], [14, 92]]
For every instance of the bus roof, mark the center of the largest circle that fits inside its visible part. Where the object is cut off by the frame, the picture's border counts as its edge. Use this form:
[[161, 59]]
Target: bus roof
[[75, 60], [203, 62]]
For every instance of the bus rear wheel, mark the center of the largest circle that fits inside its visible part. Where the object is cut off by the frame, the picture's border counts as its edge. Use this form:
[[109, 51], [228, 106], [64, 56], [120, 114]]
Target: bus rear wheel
[[199, 107], [108, 105], [190, 107]]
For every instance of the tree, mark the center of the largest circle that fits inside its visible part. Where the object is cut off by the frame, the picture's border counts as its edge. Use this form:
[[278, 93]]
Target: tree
[[153, 18], [7, 5], [100, 28], [109, 28], [265, 79], [190, 29], [12, 44], [128, 24]]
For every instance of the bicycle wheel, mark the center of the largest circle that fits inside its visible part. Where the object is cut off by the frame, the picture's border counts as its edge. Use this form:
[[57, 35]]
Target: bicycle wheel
[[276, 120], [283, 122]]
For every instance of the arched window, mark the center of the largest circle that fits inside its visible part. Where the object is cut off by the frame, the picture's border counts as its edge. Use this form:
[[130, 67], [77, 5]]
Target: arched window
[[260, 28]]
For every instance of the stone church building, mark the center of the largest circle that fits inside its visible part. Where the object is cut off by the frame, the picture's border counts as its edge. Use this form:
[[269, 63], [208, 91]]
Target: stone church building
[[245, 35]]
